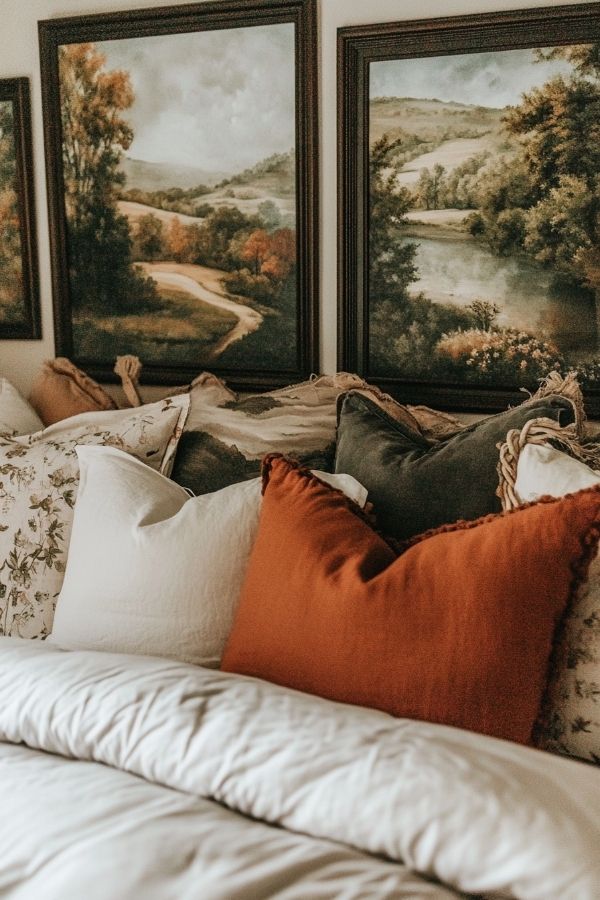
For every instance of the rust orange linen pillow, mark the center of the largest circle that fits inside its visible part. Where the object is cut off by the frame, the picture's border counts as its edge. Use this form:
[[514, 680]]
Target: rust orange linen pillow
[[458, 629]]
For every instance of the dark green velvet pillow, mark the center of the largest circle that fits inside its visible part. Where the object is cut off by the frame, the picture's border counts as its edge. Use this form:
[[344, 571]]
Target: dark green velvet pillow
[[414, 485]]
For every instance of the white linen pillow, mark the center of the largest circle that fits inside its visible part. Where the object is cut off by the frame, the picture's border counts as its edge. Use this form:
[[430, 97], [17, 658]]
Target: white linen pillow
[[570, 718], [542, 469], [39, 479], [17, 416], [153, 570]]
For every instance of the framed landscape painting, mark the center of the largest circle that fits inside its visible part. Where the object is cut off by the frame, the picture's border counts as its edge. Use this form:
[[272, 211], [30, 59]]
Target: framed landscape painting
[[181, 148], [469, 204], [19, 287]]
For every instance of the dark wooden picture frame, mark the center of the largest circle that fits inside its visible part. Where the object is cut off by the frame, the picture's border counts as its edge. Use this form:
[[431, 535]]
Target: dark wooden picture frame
[[275, 248], [449, 48], [19, 278]]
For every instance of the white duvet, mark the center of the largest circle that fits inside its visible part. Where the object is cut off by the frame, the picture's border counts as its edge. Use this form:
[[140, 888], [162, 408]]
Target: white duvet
[[136, 777]]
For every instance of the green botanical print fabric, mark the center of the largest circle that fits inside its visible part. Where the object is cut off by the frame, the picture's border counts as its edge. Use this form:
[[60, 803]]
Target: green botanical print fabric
[[570, 719], [39, 477]]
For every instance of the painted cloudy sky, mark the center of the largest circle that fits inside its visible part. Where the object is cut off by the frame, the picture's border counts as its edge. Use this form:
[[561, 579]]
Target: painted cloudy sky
[[222, 100], [495, 79]]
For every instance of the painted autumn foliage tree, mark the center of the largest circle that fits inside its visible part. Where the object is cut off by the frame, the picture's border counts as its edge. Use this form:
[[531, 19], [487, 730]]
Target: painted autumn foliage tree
[[94, 135], [11, 288]]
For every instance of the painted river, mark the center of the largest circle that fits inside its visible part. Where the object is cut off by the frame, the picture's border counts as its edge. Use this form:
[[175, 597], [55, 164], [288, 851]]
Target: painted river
[[462, 270]]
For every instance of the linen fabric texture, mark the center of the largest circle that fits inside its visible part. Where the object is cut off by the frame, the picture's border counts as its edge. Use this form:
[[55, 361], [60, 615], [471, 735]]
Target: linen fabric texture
[[414, 485], [177, 563], [457, 630], [61, 390], [148, 778], [39, 479], [17, 416], [570, 718]]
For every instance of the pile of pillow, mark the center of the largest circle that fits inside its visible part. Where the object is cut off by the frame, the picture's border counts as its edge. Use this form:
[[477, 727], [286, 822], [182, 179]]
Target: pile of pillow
[[466, 591]]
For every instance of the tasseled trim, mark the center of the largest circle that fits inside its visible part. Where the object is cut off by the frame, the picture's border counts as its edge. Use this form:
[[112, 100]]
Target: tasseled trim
[[567, 387], [538, 431], [129, 368]]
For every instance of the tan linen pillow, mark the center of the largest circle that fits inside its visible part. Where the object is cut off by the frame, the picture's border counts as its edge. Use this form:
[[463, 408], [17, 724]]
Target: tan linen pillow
[[39, 481], [61, 390]]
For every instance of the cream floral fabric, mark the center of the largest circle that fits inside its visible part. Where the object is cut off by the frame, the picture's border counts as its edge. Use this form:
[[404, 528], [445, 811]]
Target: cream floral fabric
[[39, 477], [569, 722], [570, 719]]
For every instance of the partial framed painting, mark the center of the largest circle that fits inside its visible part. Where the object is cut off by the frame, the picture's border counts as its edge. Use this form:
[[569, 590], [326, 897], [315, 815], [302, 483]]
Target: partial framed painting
[[19, 284], [469, 204], [181, 150]]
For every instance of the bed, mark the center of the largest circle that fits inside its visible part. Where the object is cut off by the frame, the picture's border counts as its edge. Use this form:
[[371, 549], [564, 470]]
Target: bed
[[127, 776], [132, 766]]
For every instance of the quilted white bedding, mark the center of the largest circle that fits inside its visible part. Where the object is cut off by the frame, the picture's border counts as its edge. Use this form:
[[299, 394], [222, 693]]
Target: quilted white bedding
[[136, 777]]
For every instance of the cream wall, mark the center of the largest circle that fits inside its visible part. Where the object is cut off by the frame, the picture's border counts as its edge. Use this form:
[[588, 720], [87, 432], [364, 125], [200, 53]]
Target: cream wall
[[19, 57]]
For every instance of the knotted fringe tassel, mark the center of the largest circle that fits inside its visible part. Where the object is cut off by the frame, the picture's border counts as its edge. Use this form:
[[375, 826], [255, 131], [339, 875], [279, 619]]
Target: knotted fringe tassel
[[567, 387], [538, 431], [129, 368]]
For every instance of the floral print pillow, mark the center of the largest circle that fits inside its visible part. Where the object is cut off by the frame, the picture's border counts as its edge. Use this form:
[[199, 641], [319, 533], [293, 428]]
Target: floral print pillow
[[570, 718], [39, 478]]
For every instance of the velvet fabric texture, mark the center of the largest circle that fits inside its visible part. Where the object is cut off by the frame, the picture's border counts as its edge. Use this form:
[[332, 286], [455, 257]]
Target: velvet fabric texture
[[414, 485], [457, 630]]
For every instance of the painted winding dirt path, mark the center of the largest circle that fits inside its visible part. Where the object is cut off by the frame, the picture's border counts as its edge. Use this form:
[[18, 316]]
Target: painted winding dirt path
[[190, 279]]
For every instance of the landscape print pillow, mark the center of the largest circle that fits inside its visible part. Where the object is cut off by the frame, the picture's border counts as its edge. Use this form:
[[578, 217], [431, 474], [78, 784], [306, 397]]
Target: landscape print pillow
[[225, 441], [39, 479]]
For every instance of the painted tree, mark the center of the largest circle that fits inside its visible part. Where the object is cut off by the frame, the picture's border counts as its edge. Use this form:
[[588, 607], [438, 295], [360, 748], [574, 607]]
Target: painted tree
[[545, 199], [392, 267], [281, 260], [559, 122], [430, 186], [149, 240], [256, 249], [270, 214], [220, 232], [11, 288], [94, 136], [484, 313]]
